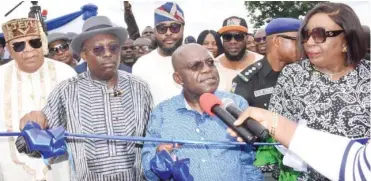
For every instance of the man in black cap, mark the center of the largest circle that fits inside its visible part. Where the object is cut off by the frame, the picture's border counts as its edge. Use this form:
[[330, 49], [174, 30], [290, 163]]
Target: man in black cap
[[236, 57], [59, 49], [256, 82]]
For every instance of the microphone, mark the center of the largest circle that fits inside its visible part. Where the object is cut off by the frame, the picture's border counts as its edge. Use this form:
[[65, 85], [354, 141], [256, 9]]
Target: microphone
[[255, 127], [211, 105]]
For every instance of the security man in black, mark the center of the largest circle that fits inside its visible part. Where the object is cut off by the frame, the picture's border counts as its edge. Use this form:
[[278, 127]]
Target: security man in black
[[256, 83]]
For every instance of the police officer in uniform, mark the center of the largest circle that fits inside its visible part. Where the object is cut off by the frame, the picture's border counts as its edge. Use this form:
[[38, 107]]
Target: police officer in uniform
[[256, 82]]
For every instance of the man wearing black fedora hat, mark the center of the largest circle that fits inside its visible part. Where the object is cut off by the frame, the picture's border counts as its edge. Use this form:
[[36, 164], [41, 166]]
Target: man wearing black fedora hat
[[104, 101]]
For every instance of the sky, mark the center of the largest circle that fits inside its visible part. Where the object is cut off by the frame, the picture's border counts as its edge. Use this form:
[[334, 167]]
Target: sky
[[199, 14]]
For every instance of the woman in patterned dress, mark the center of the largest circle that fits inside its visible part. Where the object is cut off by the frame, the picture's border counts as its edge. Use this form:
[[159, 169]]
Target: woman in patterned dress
[[330, 87]]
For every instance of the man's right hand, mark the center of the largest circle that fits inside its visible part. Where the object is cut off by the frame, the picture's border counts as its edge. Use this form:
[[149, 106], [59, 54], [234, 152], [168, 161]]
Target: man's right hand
[[35, 116]]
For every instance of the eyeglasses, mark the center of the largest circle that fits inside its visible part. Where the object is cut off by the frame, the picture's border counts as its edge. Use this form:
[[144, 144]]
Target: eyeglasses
[[100, 50], [62, 47], [319, 34], [238, 37], [287, 37], [173, 27], [260, 39], [199, 65], [143, 48], [20, 46]]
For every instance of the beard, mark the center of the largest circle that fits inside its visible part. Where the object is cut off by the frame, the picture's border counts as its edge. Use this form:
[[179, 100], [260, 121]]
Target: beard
[[169, 51], [237, 57]]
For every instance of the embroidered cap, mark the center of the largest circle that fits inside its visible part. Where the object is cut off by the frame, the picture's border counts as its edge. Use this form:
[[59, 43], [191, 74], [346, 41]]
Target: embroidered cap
[[169, 12], [18, 28], [24, 27]]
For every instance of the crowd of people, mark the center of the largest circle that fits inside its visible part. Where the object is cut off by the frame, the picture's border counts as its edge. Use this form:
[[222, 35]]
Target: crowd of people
[[110, 80]]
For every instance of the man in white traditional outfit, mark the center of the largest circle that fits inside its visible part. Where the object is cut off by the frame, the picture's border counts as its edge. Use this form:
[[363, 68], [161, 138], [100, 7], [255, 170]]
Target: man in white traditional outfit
[[25, 84], [104, 101]]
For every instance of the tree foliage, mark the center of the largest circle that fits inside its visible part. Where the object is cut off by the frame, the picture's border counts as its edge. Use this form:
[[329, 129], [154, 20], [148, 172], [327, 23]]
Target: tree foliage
[[262, 12]]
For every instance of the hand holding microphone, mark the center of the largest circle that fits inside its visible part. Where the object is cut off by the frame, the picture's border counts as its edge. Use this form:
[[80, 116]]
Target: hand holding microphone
[[253, 126], [262, 116]]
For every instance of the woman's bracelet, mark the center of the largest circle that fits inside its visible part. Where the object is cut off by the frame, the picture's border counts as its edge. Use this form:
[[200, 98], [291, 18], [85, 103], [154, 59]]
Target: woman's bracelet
[[274, 124]]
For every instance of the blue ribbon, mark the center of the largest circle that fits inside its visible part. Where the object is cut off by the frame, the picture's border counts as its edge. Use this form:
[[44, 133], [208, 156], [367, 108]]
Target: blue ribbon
[[50, 143], [166, 168]]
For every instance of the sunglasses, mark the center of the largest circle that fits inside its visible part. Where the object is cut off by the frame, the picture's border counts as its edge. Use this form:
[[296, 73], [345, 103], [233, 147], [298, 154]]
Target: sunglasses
[[199, 65], [173, 27], [319, 34], [20, 46], [100, 50], [287, 37], [238, 37], [62, 48], [143, 48], [260, 39]]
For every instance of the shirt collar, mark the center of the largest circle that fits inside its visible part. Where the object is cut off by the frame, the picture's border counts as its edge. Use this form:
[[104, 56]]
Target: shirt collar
[[266, 67], [181, 103], [102, 83]]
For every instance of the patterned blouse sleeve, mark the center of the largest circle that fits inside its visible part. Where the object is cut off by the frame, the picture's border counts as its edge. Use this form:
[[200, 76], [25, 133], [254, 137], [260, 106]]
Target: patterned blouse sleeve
[[281, 98]]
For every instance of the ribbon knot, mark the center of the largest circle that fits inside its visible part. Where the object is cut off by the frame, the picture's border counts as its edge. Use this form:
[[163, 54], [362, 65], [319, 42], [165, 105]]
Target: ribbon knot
[[89, 10], [49, 143], [165, 167]]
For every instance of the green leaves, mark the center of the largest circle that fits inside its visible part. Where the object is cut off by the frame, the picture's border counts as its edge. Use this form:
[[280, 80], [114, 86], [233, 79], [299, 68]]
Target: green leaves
[[262, 12]]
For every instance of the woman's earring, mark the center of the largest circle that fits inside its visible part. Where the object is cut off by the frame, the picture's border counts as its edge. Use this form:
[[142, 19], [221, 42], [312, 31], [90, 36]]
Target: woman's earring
[[345, 49]]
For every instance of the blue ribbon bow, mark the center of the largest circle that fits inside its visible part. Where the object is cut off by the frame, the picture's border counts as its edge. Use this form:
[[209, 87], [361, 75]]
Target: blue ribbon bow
[[165, 167], [50, 143]]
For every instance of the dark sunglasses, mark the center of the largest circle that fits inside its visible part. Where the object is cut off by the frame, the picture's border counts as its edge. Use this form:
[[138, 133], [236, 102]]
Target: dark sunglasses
[[143, 48], [319, 34], [238, 37], [199, 65], [62, 47], [20, 46], [100, 50], [260, 39], [173, 27], [287, 37]]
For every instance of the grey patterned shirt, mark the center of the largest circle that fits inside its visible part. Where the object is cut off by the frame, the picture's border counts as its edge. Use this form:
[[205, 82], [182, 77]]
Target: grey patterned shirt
[[85, 106], [339, 107]]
